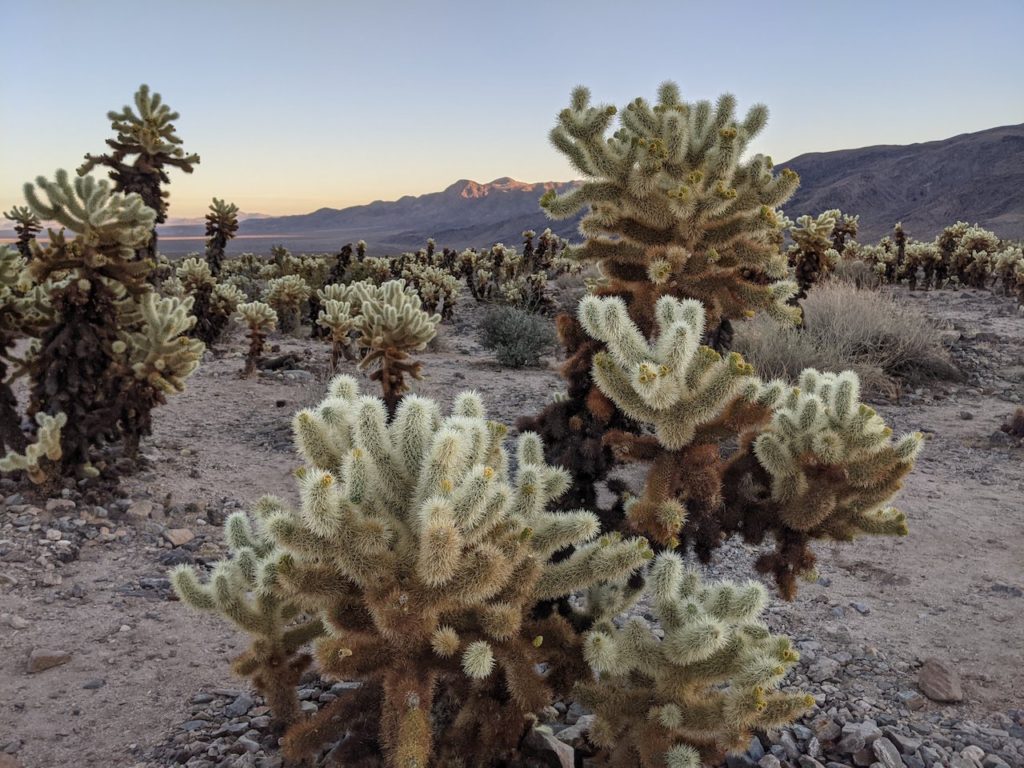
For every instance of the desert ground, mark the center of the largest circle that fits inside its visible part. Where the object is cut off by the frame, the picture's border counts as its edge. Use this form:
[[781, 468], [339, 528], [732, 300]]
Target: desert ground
[[140, 680]]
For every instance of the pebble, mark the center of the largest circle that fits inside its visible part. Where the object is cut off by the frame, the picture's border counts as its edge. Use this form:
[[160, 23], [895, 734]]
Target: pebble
[[939, 681], [41, 659]]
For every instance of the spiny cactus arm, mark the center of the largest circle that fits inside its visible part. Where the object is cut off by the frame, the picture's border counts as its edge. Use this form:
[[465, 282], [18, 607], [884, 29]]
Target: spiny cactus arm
[[107, 220], [47, 446], [161, 354], [610, 556]]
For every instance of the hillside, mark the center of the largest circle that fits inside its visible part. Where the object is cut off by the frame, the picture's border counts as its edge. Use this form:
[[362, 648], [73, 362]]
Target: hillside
[[975, 177]]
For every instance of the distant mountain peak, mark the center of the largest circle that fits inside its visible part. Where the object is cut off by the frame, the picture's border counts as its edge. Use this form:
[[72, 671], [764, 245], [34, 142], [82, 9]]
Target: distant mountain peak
[[469, 189]]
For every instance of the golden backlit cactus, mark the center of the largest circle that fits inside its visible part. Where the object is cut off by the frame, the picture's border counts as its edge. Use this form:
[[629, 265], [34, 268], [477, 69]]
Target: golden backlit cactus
[[700, 690]]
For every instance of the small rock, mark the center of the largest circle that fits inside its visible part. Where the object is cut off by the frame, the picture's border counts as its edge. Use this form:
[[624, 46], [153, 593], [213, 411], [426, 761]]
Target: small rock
[[52, 534], [576, 735], [887, 753], [940, 682], [966, 415], [15, 622], [823, 669], [739, 761], [60, 506], [912, 700], [239, 706], [861, 608], [8, 761], [769, 761], [140, 510], [994, 761], [179, 536], [973, 753], [806, 761], [550, 751], [93, 685], [41, 659]]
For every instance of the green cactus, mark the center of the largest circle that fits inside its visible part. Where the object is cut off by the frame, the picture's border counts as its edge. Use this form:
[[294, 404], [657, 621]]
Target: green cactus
[[336, 318], [424, 555], [145, 147], [161, 356], [391, 324], [243, 588], [700, 691], [221, 226], [673, 208], [812, 255], [286, 294], [45, 448], [26, 225], [260, 318]]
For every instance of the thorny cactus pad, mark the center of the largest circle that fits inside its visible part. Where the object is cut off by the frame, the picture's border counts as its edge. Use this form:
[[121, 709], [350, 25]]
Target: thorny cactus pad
[[699, 691]]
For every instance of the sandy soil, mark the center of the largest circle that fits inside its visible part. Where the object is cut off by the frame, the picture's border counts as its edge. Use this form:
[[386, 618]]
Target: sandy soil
[[954, 588]]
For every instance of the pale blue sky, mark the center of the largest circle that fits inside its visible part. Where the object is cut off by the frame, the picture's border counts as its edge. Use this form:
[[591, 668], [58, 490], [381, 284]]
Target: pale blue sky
[[299, 104]]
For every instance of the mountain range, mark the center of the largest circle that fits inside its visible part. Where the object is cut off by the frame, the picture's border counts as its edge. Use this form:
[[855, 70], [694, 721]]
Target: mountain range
[[975, 177]]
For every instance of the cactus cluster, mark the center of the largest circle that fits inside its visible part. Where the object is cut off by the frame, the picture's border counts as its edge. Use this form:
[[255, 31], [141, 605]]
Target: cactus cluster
[[961, 255], [813, 255], [430, 566], [213, 302], [504, 275], [423, 555]]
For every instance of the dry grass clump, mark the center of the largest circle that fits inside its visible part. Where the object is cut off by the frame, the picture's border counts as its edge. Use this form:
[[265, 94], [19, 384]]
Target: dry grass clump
[[885, 343], [856, 272]]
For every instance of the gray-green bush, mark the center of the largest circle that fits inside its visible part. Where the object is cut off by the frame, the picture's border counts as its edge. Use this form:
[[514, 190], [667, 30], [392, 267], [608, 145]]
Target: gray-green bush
[[517, 338]]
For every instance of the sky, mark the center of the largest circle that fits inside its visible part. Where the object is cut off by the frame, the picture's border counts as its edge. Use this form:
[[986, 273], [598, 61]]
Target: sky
[[299, 105]]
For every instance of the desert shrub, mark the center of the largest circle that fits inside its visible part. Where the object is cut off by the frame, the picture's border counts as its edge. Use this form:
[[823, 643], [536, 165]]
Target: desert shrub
[[858, 273], [517, 337], [884, 341]]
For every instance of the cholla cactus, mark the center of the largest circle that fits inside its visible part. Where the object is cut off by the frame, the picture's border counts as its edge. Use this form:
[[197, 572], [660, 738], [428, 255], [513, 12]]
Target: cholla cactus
[[812, 255], [336, 318], [688, 393], [213, 302], [260, 318], [921, 259], [26, 225], [1007, 265], [698, 692], [674, 208], [46, 447], [161, 356], [845, 228], [221, 226], [146, 145], [972, 255], [243, 588], [76, 370], [286, 295], [391, 324], [425, 555], [827, 465]]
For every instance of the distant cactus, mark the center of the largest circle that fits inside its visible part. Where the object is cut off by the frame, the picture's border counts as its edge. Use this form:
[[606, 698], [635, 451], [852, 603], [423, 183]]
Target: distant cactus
[[146, 145], [336, 318], [26, 225], [213, 302], [391, 324], [286, 295], [845, 228], [260, 318], [221, 226], [812, 255]]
